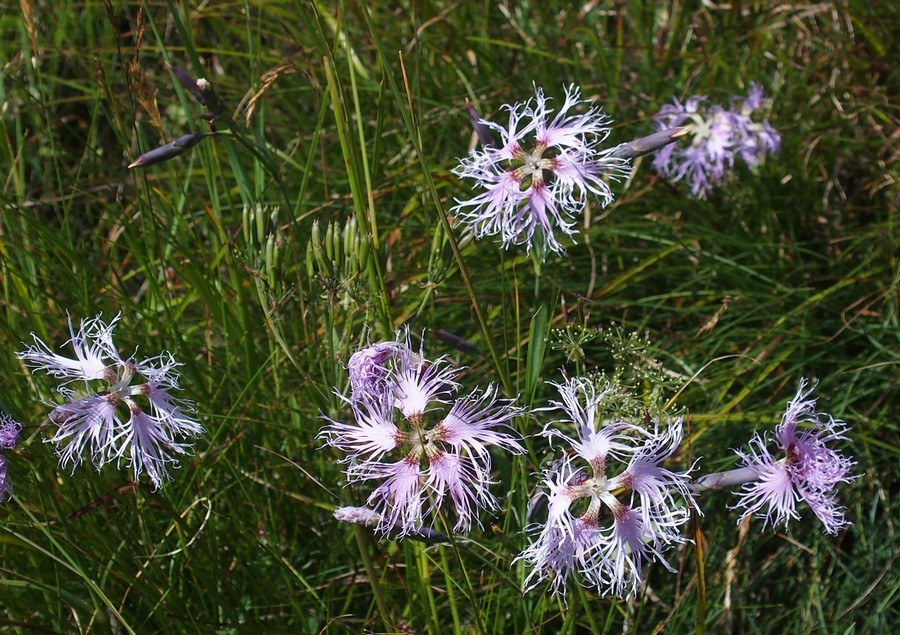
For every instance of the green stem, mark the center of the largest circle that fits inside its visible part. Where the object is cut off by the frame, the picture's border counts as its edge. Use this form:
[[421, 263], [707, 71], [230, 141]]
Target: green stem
[[409, 119], [470, 590], [502, 370], [582, 598], [373, 577], [451, 594], [537, 260], [373, 268], [425, 577]]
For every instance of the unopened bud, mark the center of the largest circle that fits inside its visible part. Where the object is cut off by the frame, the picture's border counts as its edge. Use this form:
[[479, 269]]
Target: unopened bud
[[483, 132], [648, 144], [369, 518], [170, 150]]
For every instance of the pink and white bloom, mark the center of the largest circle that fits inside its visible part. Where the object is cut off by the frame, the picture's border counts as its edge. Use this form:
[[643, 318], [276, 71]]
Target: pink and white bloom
[[421, 443], [9, 435], [719, 135], [606, 525], [538, 179], [104, 412], [806, 468]]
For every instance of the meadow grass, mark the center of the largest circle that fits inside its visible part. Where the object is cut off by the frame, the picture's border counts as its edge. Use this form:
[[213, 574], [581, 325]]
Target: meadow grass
[[348, 118]]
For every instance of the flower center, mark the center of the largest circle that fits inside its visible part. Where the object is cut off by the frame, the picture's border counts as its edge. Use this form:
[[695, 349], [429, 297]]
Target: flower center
[[532, 170], [702, 130]]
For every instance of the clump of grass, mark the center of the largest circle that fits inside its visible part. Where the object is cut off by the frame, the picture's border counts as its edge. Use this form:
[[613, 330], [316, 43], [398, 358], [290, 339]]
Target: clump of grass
[[317, 223]]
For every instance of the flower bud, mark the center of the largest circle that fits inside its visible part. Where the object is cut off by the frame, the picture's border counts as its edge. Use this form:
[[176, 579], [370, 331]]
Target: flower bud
[[163, 153]]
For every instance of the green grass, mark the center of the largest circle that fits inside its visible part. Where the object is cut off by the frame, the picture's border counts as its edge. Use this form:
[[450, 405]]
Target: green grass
[[359, 115]]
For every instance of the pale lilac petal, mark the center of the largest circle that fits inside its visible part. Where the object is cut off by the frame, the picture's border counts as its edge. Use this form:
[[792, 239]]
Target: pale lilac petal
[[161, 371], [580, 401], [595, 441], [656, 485], [169, 411], [418, 383], [9, 432], [9, 436], [369, 369], [773, 487], [493, 211], [556, 554], [6, 488], [400, 497], [91, 424], [93, 349], [477, 421], [149, 447], [460, 477], [620, 554], [372, 435]]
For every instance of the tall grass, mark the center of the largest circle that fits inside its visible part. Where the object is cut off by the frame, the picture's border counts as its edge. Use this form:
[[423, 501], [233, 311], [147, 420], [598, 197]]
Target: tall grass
[[348, 118]]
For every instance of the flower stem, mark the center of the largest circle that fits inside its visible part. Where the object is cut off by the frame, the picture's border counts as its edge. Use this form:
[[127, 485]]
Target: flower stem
[[425, 579], [373, 578], [586, 607], [538, 254], [408, 113], [468, 588], [451, 594]]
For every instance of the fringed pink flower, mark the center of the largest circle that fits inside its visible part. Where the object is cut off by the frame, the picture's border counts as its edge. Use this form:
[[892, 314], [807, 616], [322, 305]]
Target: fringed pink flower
[[603, 525], [420, 443], [804, 468], [105, 413], [538, 179]]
